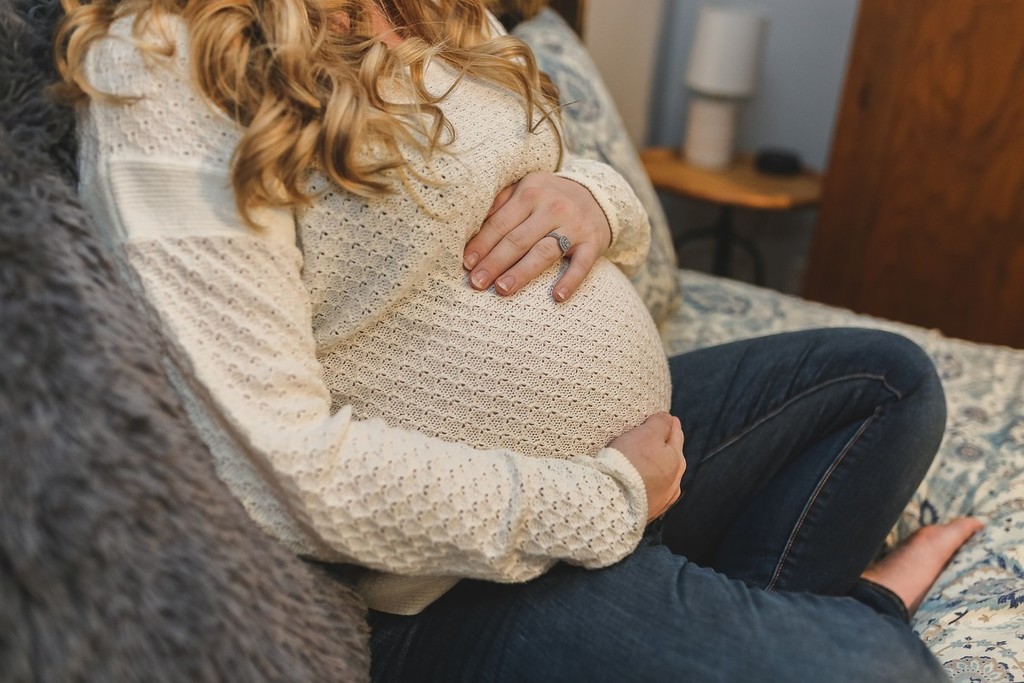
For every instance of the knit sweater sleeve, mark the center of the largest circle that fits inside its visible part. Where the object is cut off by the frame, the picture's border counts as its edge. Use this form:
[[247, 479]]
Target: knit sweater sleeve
[[231, 300]]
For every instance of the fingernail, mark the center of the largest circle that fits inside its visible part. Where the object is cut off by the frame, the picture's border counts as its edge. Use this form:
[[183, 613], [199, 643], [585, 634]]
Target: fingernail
[[561, 293], [471, 260], [504, 284], [479, 279]]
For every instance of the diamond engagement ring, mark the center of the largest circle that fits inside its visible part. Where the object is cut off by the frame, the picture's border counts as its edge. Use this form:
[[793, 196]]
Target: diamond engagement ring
[[564, 243]]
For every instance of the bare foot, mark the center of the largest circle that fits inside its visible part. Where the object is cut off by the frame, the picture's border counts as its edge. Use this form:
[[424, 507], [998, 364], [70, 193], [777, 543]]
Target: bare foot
[[912, 567]]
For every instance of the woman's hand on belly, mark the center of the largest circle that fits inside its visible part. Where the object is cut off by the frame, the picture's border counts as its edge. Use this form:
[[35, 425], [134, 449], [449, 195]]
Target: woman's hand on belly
[[655, 448], [513, 246]]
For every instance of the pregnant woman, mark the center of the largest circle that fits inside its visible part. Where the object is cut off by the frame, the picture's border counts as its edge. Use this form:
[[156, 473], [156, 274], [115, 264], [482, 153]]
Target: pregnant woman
[[356, 220]]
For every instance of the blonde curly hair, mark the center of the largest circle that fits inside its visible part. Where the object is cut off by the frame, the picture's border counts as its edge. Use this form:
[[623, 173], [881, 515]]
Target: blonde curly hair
[[304, 79]]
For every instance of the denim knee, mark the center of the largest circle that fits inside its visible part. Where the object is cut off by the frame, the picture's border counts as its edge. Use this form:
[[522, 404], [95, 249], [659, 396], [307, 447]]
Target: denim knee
[[908, 369], [909, 364]]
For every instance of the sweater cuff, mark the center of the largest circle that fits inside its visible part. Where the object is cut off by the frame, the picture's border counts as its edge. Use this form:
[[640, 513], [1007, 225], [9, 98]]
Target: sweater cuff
[[613, 463]]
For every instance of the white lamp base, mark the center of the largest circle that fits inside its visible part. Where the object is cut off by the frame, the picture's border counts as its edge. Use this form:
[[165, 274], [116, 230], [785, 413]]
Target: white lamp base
[[711, 132]]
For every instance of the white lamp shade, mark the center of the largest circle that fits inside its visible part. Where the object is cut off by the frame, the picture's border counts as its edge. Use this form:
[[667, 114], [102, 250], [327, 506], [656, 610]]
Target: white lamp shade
[[726, 51]]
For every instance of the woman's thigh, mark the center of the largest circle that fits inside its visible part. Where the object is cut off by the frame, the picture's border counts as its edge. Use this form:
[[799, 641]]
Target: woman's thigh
[[652, 617], [802, 449]]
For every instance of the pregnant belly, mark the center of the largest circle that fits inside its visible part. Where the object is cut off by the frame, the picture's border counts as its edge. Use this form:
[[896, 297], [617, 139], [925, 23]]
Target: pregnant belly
[[523, 373]]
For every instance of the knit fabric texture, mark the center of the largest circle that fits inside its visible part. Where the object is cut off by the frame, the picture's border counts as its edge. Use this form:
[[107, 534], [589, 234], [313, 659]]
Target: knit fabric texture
[[397, 415], [122, 555]]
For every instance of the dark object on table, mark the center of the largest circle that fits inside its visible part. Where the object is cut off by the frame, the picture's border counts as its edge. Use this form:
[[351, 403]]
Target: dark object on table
[[778, 162]]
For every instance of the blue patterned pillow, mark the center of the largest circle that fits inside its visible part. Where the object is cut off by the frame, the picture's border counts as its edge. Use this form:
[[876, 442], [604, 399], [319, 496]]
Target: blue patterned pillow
[[594, 130]]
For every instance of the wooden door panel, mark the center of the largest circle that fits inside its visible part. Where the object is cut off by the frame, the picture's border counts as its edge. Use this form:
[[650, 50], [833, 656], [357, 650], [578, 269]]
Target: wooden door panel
[[922, 217]]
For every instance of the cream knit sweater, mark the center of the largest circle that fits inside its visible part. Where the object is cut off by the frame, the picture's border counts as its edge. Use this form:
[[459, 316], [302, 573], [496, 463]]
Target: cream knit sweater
[[395, 416]]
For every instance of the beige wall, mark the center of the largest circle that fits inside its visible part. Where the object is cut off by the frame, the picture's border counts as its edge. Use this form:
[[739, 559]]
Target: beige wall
[[622, 37]]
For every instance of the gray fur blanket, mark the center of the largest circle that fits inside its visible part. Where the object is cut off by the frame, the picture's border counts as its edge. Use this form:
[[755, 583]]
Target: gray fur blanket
[[122, 556]]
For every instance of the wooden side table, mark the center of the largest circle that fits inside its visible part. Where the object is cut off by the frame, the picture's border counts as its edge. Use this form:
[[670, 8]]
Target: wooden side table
[[739, 186]]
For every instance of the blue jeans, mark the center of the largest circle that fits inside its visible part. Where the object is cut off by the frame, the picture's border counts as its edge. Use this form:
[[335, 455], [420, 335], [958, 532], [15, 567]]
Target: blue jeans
[[802, 450]]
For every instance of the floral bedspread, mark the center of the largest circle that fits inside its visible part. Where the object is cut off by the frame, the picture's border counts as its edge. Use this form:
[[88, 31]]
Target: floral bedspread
[[974, 618]]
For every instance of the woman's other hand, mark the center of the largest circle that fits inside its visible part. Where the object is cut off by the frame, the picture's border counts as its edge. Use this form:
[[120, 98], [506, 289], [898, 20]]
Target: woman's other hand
[[512, 247], [655, 449]]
